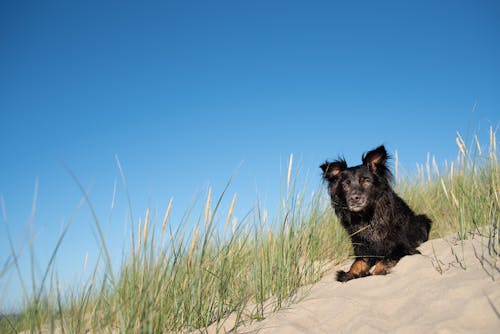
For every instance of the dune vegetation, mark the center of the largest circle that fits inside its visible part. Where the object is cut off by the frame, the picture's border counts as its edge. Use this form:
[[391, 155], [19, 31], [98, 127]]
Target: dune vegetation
[[175, 279]]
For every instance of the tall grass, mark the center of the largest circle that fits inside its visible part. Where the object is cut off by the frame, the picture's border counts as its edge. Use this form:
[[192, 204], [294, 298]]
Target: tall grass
[[209, 267], [464, 195]]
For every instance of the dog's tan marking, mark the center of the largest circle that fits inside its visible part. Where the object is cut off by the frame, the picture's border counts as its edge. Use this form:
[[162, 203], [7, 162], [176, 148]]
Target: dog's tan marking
[[359, 268], [383, 268]]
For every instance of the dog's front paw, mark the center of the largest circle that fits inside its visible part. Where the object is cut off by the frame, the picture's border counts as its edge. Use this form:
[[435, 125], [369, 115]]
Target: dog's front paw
[[343, 276]]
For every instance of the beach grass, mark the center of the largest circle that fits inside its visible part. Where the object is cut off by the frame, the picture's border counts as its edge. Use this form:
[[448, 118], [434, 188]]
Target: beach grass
[[190, 275]]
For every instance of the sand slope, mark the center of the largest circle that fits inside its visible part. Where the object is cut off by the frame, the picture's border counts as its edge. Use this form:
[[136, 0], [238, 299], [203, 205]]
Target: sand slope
[[428, 293]]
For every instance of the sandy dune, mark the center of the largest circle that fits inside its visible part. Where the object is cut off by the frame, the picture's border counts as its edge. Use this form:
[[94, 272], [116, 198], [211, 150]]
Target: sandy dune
[[450, 288], [428, 293]]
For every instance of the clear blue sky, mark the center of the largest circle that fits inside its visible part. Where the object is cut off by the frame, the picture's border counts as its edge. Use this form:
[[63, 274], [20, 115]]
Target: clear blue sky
[[185, 92]]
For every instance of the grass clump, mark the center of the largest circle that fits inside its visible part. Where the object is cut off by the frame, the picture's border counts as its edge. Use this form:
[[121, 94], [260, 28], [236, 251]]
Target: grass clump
[[212, 267], [463, 197]]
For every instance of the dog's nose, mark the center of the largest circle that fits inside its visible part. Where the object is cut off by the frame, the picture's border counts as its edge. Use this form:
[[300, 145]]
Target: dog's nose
[[355, 197]]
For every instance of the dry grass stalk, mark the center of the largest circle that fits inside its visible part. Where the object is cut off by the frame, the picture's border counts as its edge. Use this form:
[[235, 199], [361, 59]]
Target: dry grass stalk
[[193, 244], [207, 207], [146, 227], [289, 171], [230, 214], [167, 215], [461, 145]]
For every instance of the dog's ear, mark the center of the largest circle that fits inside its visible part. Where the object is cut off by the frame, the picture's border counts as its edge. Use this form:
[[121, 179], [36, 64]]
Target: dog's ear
[[376, 161], [332, 169]]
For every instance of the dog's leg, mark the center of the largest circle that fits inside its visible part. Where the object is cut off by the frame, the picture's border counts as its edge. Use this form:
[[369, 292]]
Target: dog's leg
[[359, 268], [383, 267]]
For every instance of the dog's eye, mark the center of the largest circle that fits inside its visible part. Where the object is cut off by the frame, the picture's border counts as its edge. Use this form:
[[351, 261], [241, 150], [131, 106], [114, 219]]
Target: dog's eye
[[364, 180]]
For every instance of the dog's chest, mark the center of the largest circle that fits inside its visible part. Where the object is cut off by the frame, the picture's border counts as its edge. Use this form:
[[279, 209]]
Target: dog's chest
[[368, 232]]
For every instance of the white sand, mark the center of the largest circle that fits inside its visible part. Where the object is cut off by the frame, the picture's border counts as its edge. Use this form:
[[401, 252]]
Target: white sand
[[414, 298]]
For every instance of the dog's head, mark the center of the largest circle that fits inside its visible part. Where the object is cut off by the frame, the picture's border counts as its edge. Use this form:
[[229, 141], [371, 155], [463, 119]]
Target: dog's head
[[356, 188]]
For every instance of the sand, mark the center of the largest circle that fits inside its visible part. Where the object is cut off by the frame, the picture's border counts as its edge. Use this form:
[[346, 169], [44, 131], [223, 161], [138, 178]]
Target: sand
[[453, 287], [450, 288]]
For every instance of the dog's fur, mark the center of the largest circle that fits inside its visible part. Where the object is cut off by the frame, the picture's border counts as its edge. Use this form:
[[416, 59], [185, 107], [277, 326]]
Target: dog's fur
[[381, 225]]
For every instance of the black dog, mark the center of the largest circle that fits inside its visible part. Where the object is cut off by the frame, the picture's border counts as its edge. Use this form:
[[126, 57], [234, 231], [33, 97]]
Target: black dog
[[381, 225]]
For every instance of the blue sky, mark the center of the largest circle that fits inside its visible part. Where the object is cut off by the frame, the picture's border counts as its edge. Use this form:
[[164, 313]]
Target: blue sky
[[187, 93]]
